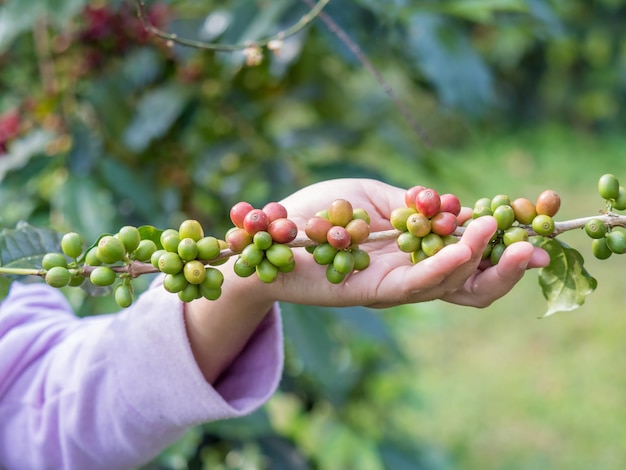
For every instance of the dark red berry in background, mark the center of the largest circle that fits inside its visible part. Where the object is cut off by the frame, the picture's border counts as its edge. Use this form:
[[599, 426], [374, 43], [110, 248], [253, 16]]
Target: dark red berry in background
[[338, 237], [428, 202], [238, 212], [450, 203], [275, 210], [317, 228], [411, 194], [443, 223], [255, 221], [283, 230]]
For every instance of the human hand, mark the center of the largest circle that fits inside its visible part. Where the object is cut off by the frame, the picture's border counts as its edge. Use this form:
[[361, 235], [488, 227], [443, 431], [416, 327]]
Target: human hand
[[455, 274]]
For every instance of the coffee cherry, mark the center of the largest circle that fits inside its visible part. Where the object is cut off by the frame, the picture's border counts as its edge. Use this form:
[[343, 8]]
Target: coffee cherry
[[288, 267], [170, 238], [242, 269], [483, 202], [334, 276], [616, 241], [443, 223], [170, 263], [595, 228], [399, 217], [359, 230], [194, 271], [191, 228], [283, 230], [432, 244], [418, 256], [102, 276], [608, 186], [514, 235], [543, 225], [338, 237], [255, 221], [317, 229], [110, 249], [499, 200], [223, 246], [237, 239], [208, 248], [344, 262], [51, 260], [620, 200], [58, 276], [72, 245], [340, 212], [123, 295], [600, 249], [496, 253], [76, 279], [407, 242], [428, 202], [154, 259], [252, 255], [266, 271], [361, 259], [279, 255], [548, 203], [360, 213], [274, 210], [91, 257], [174, 283], [130, 237], [209, 293], [524, 210], [323, 214], [418, 224], [481, 211], [263, 240], [504, 216], [324, 253], [144, 251], [238, 212], [450, 203], [410, 195], [190, 293], [187, 249], [214, 278], [449, 240]]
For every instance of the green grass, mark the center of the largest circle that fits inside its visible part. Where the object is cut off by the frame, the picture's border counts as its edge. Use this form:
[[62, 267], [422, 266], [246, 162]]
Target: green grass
[[500, 388]]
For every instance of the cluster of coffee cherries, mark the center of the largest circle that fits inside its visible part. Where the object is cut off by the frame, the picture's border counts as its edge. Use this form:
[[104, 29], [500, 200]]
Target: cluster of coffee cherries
[[260, 237], [608, 240], [427, 222], [337, 232], [516, 218]]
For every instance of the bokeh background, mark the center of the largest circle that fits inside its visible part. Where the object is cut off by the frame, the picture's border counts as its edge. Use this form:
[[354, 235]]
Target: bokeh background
[[102, 125]]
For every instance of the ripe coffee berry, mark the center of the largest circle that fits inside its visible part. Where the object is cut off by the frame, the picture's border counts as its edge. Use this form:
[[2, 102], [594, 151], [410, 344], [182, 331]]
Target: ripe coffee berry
[[443, 223], [524, 210], [255, 221], [238, 212], [317, 229], [283, 230], [275, 210], [548, 203], [338, 237], [450, 203], [410, 195], [428, 202]]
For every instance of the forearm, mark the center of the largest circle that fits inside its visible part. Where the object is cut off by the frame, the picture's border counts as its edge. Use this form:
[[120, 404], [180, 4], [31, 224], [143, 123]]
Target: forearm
[[218, 330]]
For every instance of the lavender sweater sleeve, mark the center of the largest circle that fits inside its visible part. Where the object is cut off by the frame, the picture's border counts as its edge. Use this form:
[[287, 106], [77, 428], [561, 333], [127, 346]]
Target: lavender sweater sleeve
[[109, 392]]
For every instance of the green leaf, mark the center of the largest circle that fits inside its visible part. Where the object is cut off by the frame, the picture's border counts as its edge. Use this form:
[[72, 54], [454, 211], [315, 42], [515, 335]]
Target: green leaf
[[148, 232], [25, 246], [565, 282]]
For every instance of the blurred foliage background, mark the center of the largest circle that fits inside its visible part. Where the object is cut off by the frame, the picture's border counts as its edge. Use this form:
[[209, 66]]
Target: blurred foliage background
[[102, 125]]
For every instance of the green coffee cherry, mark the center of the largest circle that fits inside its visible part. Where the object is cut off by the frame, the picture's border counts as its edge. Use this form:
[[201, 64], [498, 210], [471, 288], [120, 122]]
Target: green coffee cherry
[[170, 242], [344, 262], [189, 293], [123, 295], [499, 200], [208, 248], [600, 248], [194, 271], [145, 250], [252, 255], [504, 215], [130, 237], [191, 229], [620, 200], [608, 186], [214, 278], [262, 240], [595, 228], [418, 256], [279, 254], [324, 253], [187, 249], [496, 253], [72, 245], [174, 283], [58, 276], [543, 225], [91, 257], [616, 241], [51, 260], [170, 263], [242, 269], [209, 293], [102, 276], [110, 249], [334, 276], [514, 235], [154, 258], [266, 271], [431, 244], [408, 243], [361, 259]]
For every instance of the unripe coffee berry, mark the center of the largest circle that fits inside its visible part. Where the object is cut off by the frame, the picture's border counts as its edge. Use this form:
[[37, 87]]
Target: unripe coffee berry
[[359, 230], [170, 263], [187, 249], [91, 257], [504, 216], [242, 269], [174, 283], [252, 255], [407, 242], [317, 229], [524, 210], [58, 276], [194, 271], [418, 224], [514, 235], [191, 228], [144, 251], [266, 271], [263, 240], [324, 253], [432, 244], [340, 212], [616, 241], [51, 260], [334, 276], [548, 203], [399, 217], [595, 228], [543, 225], [344, 262], [208, 248], [130, 237], [360, 213], [102, 276], [600, 248], [499, 200], [608, 186], [190, 293], [361, 259], [110, 249], [123, 295], [72, 244], [279, 255]]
